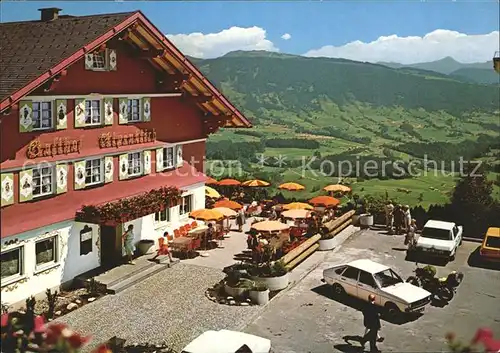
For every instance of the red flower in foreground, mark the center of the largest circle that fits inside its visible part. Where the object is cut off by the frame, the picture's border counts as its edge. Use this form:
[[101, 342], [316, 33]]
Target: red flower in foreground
[[76, 340], [39, 324], [57, 328], [5, 319]]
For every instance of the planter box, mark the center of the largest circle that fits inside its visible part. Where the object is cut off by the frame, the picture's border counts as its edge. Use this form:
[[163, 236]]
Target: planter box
[[366, 220], [355, 220], [259, 297], [146, 246], [327, 244], [274, 283], [235, 292]]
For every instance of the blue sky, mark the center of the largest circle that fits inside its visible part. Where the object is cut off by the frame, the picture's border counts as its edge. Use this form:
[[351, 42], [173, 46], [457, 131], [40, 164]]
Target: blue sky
[[311, 25]]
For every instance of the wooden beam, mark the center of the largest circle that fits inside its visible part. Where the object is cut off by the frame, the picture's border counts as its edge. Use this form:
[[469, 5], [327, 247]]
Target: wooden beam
[[305, 254], [199, 99], [292, 254], [151, 53]]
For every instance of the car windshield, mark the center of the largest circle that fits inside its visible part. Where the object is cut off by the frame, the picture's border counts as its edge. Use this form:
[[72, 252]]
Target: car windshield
[[436, 233], [493, 242], [387, 278]]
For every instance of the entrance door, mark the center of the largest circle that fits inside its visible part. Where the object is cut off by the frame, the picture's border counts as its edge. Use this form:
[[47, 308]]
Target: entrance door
[[111, 246]]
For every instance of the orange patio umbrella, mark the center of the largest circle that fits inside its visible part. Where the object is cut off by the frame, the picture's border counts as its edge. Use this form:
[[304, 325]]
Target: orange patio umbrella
[[227, 212], [325, 201], [291, 186], [207, 215], [269, 226], [296, 214], [337, 188], [255, 183], [228, 182], [211, 181], [297, 206], [228, 204]]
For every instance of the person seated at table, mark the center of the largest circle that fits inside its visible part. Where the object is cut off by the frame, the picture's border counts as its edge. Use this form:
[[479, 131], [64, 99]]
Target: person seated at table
[[273, 214], [314, 226], [326, 217], [210, 232]]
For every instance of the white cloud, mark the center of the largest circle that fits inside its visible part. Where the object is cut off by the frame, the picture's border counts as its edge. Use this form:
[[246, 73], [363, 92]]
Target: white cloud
[[213, 45], [408, 50], [286, 36]]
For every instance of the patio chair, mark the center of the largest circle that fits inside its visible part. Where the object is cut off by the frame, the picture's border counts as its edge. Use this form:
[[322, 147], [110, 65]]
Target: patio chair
[[194, 224], [187, 227], [183, 231], [177, 233]]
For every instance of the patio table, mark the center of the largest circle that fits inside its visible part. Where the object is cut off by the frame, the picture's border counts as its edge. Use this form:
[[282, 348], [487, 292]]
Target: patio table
[[198, 230], [181, 243]]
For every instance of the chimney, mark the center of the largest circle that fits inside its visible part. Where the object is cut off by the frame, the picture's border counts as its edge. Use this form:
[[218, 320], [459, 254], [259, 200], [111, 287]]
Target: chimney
[[49, 14]]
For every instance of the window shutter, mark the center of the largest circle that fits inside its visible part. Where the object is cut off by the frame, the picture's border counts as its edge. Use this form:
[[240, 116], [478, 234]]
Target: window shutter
[[146, 109], [25, 116], [7, 181], [61, 114], [79, 175], [89, 61], [147, 162], [123, 112], [111, 58], [62, 177], [79, 112], [108, 111], [25, 185], [178, 159], [159, 159], [108, 169], [123, 166]]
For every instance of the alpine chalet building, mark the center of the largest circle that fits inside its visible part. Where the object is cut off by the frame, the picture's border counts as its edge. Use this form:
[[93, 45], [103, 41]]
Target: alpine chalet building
[[103, 124]]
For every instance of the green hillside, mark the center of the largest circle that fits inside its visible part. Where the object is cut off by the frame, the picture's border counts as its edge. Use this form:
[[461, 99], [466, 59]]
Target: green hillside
[[486, 76], [445, 66], [337, 110]]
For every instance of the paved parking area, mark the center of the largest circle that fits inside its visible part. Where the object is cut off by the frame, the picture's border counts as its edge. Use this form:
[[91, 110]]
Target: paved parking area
[[308, 319]]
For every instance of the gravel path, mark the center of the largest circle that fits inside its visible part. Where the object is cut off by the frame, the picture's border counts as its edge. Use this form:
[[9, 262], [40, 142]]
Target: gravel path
[[170, 306]]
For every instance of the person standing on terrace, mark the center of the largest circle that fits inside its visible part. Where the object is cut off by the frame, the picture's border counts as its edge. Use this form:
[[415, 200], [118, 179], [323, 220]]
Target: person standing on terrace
[[128, 243]]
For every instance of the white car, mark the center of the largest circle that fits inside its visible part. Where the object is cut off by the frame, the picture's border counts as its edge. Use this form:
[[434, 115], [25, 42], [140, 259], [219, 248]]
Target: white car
[[360, 278], [439, 239], [225, 341]]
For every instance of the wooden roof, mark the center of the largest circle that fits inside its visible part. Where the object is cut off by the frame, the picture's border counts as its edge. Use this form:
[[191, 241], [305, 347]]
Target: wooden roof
[[35, 51]]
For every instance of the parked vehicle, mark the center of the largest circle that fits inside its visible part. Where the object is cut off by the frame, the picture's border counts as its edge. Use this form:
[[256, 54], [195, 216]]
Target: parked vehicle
[[490, 248], [438, 239], [225, 341], [360, 278], [440, 288]]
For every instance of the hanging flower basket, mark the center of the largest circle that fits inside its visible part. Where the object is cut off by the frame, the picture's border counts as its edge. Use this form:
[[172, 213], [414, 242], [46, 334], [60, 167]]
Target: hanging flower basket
[[131, 208]]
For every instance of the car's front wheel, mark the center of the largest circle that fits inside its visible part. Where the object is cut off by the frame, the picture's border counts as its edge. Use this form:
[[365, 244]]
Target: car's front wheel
[[338, 290], [392, 310]]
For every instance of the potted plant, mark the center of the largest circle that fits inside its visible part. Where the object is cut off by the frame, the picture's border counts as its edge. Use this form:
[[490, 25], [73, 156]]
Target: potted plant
[[259, 294], [327, 241], [235, 285], [146, 246], [366, 217], [273, 274]]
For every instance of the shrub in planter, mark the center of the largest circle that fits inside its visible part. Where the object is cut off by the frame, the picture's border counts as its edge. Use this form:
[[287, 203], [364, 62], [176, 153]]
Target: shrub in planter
[[259, 294], [238, 289], [273, 274]]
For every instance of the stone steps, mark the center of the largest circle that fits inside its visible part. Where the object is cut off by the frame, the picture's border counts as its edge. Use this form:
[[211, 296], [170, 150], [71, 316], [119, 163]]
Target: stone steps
[[134, 277]]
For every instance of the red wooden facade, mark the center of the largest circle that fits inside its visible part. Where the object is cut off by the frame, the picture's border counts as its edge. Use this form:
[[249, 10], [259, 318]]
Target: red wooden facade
[[178, 116]]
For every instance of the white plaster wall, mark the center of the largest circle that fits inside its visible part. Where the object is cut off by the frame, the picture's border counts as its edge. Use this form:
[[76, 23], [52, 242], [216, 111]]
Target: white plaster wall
[[68, 265], [145, 227]]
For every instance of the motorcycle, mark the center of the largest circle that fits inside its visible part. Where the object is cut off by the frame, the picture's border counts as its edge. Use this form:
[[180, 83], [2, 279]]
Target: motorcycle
[[425, 277], [452, 281]]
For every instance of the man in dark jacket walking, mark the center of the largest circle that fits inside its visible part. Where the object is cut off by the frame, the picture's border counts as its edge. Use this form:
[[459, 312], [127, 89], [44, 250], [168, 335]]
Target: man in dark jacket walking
[[371, 320]]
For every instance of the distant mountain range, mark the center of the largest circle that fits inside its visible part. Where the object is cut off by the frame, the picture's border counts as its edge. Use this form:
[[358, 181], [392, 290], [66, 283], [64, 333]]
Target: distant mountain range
[[475, 72]]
